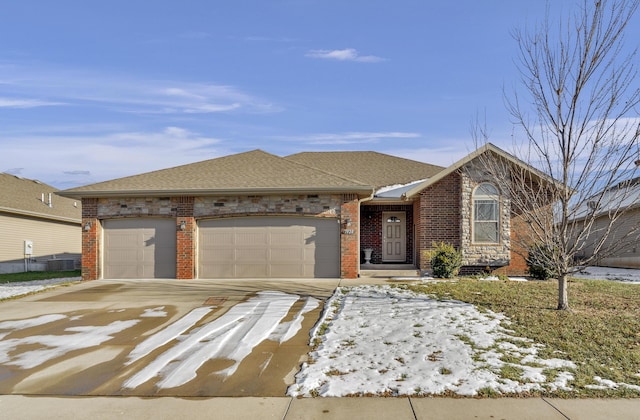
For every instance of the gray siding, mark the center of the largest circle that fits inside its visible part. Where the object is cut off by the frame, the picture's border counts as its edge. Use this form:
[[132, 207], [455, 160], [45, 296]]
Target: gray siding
[[627, 249]]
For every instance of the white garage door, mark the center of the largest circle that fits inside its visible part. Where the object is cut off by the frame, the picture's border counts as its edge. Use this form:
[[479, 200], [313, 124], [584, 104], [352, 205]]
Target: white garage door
[[139, 248], [269, 247]]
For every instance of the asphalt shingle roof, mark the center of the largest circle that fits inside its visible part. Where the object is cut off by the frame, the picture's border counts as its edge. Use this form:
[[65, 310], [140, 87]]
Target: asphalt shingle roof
[[371, 168], [254, 171], [24, 196]]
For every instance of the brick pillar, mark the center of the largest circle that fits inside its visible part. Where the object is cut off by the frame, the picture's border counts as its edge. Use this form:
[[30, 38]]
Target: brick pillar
[[349, 248], [185, 239], [90, 239]]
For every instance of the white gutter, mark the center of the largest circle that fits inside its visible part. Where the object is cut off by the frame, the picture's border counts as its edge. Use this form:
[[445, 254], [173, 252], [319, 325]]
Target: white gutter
[[39, 215]]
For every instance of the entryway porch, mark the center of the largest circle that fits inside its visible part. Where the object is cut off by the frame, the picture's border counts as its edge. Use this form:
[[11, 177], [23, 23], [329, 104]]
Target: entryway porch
[[388, 270]]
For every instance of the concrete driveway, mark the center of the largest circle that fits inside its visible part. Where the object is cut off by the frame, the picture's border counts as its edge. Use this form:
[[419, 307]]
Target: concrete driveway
[[159, 337]]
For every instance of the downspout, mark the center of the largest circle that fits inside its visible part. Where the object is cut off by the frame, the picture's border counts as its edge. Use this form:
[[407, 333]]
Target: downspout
[[360, 201]]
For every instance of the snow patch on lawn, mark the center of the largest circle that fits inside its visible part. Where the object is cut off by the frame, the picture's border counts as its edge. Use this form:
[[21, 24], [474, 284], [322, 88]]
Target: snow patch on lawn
[[608, 273], [380, 340], [609, 384], [8, 290]]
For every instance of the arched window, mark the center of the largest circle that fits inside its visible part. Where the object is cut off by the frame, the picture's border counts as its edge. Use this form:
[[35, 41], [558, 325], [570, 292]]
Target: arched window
[[486, 214]]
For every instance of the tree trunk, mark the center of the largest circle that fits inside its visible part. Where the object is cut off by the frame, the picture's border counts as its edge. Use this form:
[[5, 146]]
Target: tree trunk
[[563, 298]]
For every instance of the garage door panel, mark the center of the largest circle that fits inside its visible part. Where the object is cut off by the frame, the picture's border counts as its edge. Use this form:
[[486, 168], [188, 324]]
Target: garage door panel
[[288, 255], [287, 270], [269, 247], [139, 248], [221, 254], [224, 238], [251, 238], [249, 270], [219, 270], [124, 255], [251, 255]]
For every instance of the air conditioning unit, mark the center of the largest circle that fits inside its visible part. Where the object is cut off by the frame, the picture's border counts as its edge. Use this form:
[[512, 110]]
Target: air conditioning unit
[[61, 265]]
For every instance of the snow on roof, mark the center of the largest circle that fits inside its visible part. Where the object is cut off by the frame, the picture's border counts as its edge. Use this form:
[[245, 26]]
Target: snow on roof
[[397, 190], [621, 196]]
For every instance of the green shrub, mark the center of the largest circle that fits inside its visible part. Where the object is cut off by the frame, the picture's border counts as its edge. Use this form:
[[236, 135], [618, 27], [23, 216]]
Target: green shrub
[[539, 262], [445, 260]]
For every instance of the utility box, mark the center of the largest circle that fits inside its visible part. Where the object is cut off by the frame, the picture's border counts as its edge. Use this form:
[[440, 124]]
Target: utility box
[[28, 247]]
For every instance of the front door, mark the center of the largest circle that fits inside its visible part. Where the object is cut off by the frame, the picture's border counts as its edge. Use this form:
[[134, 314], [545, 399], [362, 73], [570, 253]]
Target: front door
[[394, 236]]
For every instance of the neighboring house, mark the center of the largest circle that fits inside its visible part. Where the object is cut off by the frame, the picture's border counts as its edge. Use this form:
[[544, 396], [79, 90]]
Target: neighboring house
[[38, 229], [257, 215], [620, 248]]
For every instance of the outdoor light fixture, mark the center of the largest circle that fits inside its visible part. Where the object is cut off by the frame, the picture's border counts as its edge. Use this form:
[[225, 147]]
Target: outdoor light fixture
[[87, 226], [183, 225], [347, 222]]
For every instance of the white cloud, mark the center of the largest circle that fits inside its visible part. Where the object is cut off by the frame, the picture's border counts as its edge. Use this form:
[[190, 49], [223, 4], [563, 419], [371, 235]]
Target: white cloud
[[123, 93], [351, 137], [26, 103], [76, 159], [348, 54]]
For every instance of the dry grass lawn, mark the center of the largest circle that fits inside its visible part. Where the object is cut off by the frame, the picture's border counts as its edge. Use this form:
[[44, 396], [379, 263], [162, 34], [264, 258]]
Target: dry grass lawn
[[600, 334]]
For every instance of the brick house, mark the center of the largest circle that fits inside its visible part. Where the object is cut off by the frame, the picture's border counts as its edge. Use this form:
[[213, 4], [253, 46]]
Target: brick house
[[308, 215]]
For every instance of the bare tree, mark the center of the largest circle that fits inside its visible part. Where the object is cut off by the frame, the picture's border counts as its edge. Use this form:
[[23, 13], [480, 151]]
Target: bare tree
[[580, 129]]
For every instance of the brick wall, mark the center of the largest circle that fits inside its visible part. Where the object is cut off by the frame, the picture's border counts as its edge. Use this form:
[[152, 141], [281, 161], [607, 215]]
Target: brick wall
[[190, 209], [349, 249], [185, 238], [90, 239], [371, 230], [439, 215]]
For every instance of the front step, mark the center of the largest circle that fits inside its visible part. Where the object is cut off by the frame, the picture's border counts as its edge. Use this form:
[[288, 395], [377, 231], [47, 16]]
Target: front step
[[388, 271]]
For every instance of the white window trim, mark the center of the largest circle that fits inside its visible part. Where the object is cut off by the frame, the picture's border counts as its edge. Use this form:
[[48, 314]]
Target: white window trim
[[473, 214]]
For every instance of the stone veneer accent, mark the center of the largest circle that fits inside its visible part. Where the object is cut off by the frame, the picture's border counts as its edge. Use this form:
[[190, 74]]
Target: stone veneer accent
[[325, 205], [191, 209], [137, 207], [444, 215], [485, 255]]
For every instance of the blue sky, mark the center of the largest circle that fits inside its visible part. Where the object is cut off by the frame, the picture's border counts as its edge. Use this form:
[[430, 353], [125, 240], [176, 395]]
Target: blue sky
[[93, 90]]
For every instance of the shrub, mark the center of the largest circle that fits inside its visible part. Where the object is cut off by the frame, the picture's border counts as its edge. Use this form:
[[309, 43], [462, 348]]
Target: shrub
[[445, 260], [539, 262]]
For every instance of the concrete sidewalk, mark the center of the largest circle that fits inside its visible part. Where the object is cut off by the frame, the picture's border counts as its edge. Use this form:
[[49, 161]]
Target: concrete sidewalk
[[96, 408]]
